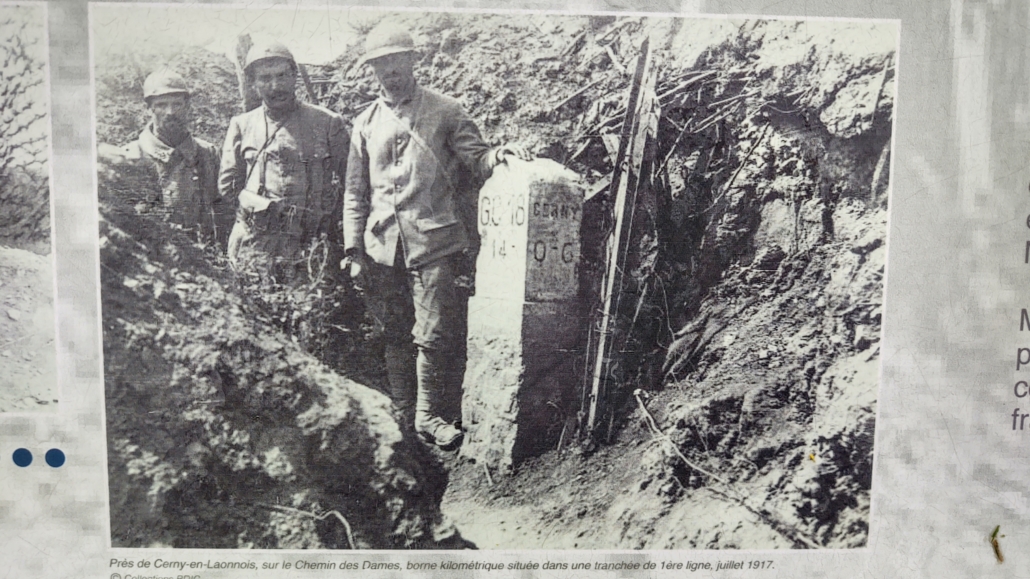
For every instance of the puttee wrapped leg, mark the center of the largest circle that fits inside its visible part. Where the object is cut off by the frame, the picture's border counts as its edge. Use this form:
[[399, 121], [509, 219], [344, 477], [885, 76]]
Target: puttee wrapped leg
[[433, 399], [402, 377]]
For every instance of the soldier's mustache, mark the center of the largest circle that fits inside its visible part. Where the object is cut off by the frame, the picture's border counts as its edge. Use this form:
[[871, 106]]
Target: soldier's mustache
[[172, 120]]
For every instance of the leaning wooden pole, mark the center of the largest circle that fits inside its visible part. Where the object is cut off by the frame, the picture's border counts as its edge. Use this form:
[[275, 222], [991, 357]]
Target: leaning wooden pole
[[627, 165], [312, 98], [248, 96]]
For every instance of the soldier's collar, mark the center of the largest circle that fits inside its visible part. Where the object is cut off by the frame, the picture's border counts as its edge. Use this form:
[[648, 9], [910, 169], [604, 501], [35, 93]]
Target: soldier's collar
[[386, 97], [157, 149], [282, 115]]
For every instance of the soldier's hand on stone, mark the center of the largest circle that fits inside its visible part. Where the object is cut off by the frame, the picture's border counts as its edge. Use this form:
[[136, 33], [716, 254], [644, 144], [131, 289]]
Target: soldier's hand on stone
[[513, 150]]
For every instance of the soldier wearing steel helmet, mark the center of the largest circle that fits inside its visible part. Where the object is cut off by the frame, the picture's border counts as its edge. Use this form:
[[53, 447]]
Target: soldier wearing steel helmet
[[280, 162], [179, 172], [409, 230]]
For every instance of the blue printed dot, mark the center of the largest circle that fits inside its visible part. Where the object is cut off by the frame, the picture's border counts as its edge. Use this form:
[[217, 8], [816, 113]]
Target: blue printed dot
[[22, 457], [54, 457]]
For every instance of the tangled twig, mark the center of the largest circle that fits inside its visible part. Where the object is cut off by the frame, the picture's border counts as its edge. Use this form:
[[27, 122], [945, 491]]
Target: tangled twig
[[729, 184], [727, 491], [317, 517]]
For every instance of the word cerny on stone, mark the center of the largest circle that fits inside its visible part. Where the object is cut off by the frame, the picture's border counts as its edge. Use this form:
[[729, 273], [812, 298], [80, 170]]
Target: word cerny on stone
[[524, 321]]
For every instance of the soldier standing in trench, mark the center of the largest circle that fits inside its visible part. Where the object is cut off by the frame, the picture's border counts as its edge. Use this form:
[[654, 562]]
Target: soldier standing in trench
[[166, 154], [410, 233], [279, 162]]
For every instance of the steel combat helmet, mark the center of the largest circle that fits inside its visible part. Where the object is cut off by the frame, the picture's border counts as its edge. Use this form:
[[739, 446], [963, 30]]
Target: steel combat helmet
[[162, 82], [268, 50], [385, 39]]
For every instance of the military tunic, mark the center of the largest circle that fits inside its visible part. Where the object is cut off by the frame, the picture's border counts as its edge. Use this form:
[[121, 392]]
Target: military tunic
[[297, 162], [414, 171], [180, 182], [412, 178]]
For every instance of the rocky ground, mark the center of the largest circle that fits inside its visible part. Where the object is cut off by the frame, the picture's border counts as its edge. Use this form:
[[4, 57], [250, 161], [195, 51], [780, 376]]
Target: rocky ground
[[28, 353], [750, 421], [777, 421], [759, 432], [28, 365]]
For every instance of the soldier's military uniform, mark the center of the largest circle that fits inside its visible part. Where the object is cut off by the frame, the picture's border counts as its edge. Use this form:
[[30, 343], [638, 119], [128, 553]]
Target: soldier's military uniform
[[293, 161], [406, 207], [178, 183], [285, 171], [186, 175]]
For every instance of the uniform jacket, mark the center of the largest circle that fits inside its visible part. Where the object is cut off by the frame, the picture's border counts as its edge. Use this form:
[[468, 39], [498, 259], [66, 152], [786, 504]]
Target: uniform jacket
[[411, 179], [293, 161], [181, 181]]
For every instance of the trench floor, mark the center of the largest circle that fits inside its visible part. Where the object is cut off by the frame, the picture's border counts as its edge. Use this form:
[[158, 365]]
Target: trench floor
[[28, 354]]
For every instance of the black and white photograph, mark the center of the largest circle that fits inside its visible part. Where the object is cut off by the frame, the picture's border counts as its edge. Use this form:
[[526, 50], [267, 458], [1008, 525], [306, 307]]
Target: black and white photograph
[[425, 279], [28, 353]]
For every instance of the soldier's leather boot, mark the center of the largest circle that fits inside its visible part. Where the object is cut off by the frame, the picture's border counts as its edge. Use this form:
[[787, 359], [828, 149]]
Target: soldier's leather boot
[[430, 406]]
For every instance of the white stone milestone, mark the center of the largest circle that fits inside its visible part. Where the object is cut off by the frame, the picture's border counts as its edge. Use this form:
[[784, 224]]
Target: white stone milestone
[[524, 321]]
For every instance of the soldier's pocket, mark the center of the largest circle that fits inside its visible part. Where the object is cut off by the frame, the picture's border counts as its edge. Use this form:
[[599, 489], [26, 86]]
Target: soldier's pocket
[[441, 234], [427, 225]]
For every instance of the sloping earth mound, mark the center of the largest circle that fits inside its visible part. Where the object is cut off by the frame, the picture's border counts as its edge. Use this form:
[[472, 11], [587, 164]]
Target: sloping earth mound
[[761, 436], [780, 408], [223, 432], [121, 112], [27, 350], [770, 270]]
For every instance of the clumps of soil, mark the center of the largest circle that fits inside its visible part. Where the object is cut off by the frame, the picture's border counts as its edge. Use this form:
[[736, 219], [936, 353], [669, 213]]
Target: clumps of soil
[[27, 350], [223, 432], [770, 273], [776, 372], [779, 392], [764, 273], [24, 128]]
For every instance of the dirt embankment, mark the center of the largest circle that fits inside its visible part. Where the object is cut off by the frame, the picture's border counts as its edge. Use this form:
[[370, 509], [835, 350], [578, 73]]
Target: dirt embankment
[[771, 272], [28, 353], [223, 432], [768, 265]]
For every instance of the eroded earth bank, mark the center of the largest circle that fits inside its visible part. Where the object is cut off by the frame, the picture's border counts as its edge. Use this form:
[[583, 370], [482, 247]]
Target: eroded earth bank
[[242, 418]]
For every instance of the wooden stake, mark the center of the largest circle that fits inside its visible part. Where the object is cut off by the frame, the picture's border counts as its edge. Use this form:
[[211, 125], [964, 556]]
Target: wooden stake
[[633, 141], [307, 83], [248, 96], [569, 98]]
